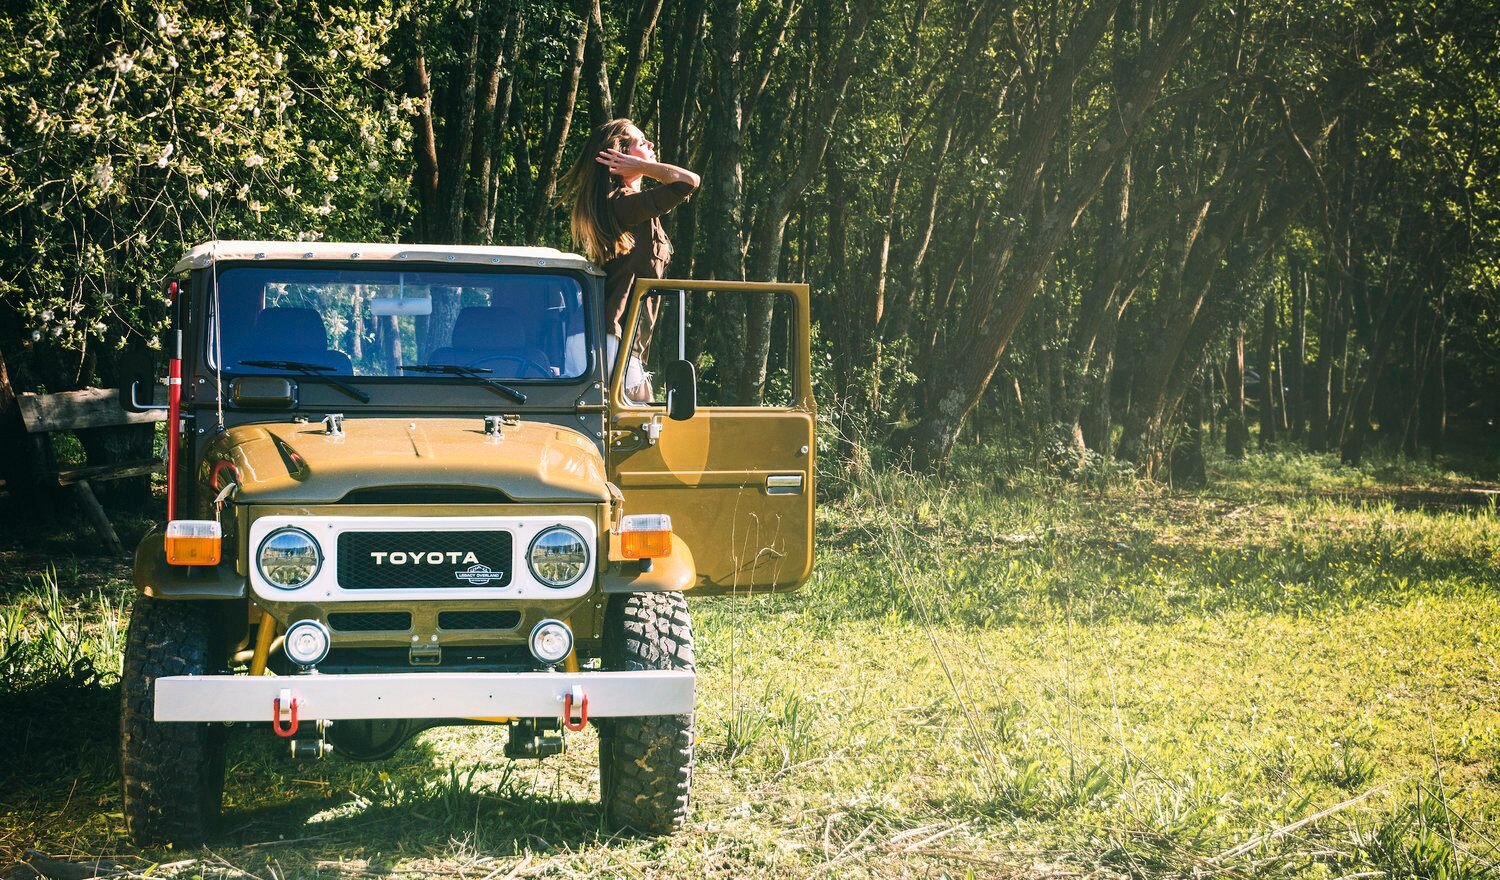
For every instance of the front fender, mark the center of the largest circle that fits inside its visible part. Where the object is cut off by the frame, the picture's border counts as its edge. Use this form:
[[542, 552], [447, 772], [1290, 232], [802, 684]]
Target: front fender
[[154, 577], [669, 574]]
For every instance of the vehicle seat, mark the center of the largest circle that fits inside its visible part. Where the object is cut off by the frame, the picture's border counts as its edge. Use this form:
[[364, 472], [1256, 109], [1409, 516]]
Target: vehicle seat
[[490, 333], [295, 334]]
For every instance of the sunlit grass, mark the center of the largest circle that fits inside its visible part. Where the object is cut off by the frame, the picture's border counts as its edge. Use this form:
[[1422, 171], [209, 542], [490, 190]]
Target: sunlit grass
[[1108, 678]]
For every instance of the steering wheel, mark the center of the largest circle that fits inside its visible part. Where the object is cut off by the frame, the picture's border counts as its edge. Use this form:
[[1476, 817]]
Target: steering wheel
[[542, 371]]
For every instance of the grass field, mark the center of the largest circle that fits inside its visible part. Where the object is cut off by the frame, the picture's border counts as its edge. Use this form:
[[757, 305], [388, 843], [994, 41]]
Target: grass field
[[1292, 673]]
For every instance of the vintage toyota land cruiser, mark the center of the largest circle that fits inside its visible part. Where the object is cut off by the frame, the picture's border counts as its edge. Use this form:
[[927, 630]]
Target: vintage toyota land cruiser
[[415, 485]]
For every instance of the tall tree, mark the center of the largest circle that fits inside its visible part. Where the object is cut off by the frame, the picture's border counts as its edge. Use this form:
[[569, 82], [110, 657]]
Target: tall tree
[[1017, 264]]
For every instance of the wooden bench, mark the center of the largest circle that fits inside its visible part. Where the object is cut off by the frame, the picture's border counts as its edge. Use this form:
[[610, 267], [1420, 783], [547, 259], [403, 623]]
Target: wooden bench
[[44, 414]]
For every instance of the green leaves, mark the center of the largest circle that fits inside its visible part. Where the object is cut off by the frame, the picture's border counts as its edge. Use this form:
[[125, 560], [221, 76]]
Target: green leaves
[[164, 125]]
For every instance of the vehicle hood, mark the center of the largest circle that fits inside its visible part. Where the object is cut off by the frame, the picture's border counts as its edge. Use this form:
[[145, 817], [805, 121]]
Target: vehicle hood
[[301, 462]]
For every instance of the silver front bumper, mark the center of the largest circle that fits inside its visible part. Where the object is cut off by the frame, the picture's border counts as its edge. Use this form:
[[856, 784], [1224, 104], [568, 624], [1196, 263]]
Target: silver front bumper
[[423, 695]]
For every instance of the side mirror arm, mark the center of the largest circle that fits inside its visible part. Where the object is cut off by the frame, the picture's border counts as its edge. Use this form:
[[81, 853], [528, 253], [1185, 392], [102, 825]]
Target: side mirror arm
[[134, 404]]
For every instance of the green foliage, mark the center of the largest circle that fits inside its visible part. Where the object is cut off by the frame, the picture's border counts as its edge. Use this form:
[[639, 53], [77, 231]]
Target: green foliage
[[128, 130], [51, 643]]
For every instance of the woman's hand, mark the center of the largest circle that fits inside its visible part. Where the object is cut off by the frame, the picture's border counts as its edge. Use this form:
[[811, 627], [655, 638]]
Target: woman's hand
[[628, 166], [624, 164]]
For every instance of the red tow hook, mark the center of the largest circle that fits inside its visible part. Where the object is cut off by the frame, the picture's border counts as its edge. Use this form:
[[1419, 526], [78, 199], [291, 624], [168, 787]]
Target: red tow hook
[[288, 715], [583, 709]]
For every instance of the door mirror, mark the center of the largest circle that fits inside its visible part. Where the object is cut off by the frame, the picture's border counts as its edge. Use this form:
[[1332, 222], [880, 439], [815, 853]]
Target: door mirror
[[682, 390], [137, 385]]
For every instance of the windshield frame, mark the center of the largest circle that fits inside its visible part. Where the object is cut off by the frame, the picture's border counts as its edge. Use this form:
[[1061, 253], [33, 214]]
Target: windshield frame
[[208, 319]]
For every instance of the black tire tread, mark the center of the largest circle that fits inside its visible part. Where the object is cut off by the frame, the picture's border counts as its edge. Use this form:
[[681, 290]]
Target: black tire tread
[[173, 773], [646, 763]]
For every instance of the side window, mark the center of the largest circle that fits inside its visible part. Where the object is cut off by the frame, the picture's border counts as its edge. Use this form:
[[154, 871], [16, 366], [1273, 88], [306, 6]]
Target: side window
[[742, 343]]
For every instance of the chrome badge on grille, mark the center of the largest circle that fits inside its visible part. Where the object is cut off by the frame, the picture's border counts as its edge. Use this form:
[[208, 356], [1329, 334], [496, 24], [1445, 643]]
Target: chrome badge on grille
[[478, 575]]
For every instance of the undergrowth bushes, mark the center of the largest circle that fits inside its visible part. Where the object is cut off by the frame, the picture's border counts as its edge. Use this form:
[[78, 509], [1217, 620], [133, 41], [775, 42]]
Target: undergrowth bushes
[[49, 642]]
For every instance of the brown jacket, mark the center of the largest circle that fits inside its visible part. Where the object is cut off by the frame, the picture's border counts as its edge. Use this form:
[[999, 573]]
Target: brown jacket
[[640, 215]]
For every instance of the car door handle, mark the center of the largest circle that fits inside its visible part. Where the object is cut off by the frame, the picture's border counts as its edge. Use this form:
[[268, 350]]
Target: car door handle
[[784, 484]]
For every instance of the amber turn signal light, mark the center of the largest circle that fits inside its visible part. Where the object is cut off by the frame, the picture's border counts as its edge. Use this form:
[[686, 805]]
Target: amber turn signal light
[[194, 542], [646, 536]]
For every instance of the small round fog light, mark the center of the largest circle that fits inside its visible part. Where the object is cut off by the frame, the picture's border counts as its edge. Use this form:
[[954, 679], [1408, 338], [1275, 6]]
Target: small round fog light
[[307, 642], [551, 641]]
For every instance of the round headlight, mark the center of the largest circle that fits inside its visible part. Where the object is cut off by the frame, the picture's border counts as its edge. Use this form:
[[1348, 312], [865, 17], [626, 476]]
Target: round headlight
[[289, 558], [558, 556], [551, 641], [307, 642]]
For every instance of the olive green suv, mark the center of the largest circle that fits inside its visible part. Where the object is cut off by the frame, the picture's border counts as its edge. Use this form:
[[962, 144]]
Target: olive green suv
[[424, 485]]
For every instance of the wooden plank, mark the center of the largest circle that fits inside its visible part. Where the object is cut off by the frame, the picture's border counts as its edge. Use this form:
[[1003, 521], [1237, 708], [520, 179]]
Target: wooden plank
[[98, 517], [89, 408], [103, 472]]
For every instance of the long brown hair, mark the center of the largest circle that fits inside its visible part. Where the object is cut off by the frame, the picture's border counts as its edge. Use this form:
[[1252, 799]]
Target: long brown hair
[[588, 184]]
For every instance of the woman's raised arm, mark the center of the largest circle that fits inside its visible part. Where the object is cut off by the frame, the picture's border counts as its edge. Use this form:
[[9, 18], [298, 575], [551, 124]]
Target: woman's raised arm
[[626, 165]]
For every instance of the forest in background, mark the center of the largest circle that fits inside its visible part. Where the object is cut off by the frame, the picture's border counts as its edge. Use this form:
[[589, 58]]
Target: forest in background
[[1102, 230]]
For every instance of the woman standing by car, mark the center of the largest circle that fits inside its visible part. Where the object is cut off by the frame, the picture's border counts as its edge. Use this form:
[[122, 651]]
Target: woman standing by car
[[618, 225]]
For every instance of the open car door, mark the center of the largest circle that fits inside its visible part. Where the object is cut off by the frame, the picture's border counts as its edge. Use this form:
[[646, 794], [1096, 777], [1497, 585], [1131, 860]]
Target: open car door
[[737, 475]]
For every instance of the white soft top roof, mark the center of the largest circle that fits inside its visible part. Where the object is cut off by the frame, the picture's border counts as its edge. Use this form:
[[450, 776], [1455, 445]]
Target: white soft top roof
[[203, 255]]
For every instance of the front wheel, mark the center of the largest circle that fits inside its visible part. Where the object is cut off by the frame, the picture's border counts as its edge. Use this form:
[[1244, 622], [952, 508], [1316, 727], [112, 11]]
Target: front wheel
[[173, 772], [646, 762]]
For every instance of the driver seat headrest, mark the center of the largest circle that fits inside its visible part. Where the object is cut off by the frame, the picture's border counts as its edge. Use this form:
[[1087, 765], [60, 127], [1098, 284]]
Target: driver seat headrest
[[488, 328]]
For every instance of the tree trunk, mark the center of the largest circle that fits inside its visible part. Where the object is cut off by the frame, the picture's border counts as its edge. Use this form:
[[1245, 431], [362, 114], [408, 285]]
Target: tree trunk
[[642, 25], [841, 321], [18, 466], [388, 335], [684, 45], [1187, 467], [1296, 362], [1096, 416], [419, 85], [356, 331], [557, 137], [453, 178], [1434, 422], [1236, 432], [724, 249], [1268, 377], [1099, 312], [486, 132], [875, 312], [1330, 332], [503, 119], [601, 106]]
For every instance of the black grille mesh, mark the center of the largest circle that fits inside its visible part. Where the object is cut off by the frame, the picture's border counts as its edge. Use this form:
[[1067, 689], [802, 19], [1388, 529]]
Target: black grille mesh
[[479, 619], [369, 621], [425, 560]]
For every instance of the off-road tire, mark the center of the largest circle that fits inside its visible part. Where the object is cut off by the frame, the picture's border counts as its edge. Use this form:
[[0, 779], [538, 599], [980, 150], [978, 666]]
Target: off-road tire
[[646, 763], [173, 772]]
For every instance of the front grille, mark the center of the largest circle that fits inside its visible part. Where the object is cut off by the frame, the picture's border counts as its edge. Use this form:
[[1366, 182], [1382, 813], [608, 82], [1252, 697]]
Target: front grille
[[370, 621], [424, 560], [479, 619]]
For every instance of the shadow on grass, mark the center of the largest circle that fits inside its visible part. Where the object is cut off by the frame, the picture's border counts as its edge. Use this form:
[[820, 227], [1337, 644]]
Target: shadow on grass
[[409, 802], [61, 771], [482, 820]]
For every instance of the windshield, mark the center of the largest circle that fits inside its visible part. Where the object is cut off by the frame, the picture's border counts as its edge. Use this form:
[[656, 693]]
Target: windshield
[[379, 322]]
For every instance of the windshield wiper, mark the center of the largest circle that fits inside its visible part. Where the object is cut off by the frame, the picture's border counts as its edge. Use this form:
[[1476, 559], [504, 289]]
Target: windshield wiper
[[314, 370], [469, 373]]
